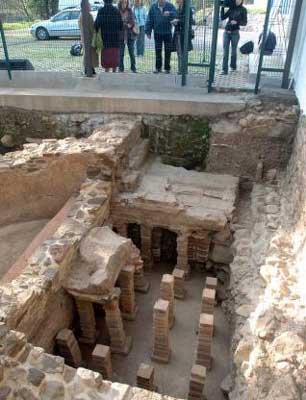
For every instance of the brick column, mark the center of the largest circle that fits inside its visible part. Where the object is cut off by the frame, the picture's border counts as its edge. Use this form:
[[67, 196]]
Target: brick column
[[127, 297], [140, 282], [119, 342], [161, 346], [87, 321], [146, 246], [179, 283], [182, 253], [145, 377], [101, 361], [167, 293], [203, 355], [68, 348], [197, 382], [208, 301], [211, 283]]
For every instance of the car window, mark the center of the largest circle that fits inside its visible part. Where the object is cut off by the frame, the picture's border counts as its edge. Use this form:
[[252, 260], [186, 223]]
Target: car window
[[74, 14], [64, 16]]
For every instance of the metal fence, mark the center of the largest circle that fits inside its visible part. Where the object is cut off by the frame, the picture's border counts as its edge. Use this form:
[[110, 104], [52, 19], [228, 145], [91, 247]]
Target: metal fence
[[31, 35]]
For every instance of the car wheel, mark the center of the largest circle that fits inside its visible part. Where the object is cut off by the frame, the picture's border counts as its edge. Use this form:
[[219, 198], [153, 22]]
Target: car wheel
[[42, 34]]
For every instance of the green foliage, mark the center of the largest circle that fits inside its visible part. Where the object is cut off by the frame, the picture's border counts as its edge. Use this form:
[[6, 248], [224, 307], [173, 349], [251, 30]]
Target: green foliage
[[12, 26]]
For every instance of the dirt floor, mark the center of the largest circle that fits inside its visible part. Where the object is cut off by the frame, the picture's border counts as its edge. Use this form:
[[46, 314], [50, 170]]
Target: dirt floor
[[173, 378], [14, 239]]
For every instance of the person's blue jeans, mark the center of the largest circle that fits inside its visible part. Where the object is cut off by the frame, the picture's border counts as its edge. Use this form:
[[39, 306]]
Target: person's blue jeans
[[140, 42], [230, 38], [130, 46]]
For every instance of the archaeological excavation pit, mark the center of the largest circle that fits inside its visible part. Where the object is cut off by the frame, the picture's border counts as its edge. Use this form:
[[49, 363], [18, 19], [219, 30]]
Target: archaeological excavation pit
[[117, 261]]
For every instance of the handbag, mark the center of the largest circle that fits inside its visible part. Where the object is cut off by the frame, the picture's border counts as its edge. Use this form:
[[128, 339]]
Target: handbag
[[135, 29], [97, 42]]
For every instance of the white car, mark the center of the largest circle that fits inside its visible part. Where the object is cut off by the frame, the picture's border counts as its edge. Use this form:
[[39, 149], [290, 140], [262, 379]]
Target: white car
[[63, 24]]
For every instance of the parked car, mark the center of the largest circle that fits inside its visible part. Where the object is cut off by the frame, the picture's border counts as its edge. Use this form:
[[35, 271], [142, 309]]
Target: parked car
[[63, 24]]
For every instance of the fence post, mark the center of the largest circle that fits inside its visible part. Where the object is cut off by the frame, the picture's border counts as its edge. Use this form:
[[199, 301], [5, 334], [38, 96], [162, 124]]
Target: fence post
[[214, 45], [263, 41], [86, 38], [7, 60], [292, 38], [186, 42]]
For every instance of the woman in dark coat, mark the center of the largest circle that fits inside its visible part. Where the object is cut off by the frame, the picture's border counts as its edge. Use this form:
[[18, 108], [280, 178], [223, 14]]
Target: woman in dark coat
[[178, 37], [127, 35], [110, 23]]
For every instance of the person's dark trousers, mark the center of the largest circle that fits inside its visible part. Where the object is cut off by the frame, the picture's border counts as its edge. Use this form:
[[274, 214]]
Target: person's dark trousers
[[230, 38], [130, 46], [165, 39], [140, 42]]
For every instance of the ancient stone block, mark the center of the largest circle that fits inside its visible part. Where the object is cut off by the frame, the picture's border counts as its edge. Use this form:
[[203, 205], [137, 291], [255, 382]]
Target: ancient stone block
[[161, 346], [35, 376], [167, 293], [182, 253], [68, 347], [101, 360], [197, 382], [145, 377]]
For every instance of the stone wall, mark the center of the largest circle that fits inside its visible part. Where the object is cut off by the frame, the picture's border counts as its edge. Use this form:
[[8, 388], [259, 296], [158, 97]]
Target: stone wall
[[27, 301], [262, 130], [268, 290], [28, 373]]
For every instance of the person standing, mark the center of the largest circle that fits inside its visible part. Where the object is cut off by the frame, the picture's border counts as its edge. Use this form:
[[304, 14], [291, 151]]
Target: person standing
[[110, 23], [140, 14], [94, 54], [237, 16], [159, 20], [127, 35], [179, 34]]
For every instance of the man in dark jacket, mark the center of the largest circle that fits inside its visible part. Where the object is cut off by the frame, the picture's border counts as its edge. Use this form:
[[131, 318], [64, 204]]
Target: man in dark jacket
[[237, 16], [159, 20]]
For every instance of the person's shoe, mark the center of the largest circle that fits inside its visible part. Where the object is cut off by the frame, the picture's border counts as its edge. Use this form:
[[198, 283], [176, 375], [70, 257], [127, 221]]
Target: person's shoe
[[233, 69], [157, 71], [121, 70], [134, 71], [167, 71], [224, 73]]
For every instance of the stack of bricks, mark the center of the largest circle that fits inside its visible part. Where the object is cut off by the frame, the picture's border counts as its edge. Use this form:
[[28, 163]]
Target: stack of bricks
[[140, 283], [161, 346], [120, 343], [208, 300], [206, 326], [211, 283], [145, 377], [167, 293], [87, 321], [68, 348], [197, 382], [182, 253], [101, 361], [127, 297], [146, 246], [179, 283]]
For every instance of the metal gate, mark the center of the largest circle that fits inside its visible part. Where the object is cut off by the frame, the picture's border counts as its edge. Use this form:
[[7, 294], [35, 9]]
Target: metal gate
[[202, 59]]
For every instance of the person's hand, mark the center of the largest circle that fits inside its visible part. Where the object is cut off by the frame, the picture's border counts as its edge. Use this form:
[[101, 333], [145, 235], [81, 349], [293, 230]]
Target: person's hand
[[233, 22], [149, 36], [129, 25], [174, 21], [166, 13]]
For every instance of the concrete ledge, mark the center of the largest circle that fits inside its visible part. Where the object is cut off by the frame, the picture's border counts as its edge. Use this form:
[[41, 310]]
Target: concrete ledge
[[114, 93], [178, 102]]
